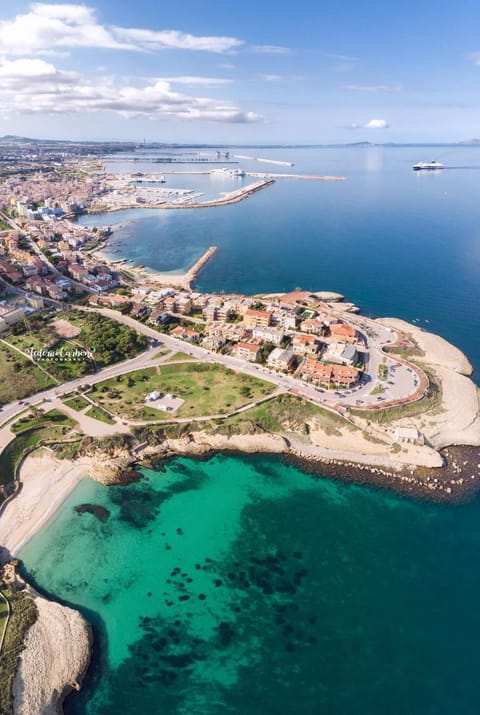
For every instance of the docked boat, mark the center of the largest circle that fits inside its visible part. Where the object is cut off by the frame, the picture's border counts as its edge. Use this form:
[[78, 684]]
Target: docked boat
[[227, 172], [427, 166]]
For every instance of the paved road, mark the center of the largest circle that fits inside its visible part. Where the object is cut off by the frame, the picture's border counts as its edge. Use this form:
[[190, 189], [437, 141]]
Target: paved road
[[402, 377]]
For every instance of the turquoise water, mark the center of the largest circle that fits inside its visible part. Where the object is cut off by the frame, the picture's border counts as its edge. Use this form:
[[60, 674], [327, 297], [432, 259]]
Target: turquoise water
[[244, 586], [396, 242]]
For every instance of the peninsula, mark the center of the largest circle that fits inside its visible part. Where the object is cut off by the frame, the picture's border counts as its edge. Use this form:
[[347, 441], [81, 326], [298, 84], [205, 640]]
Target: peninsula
[[122, 368]]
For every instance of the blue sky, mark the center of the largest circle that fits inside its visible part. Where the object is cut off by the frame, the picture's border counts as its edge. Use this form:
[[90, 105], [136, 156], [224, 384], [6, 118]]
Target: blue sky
[[242, 72]]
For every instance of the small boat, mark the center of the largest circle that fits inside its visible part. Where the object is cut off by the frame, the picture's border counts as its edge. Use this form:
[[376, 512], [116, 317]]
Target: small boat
[[427, 166]]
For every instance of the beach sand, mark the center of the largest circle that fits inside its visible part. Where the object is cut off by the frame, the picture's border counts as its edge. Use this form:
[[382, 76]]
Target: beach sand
[[45, 484]]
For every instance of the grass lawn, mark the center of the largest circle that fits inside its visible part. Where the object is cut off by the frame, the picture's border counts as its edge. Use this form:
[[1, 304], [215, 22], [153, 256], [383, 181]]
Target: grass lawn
[[13, 453], [99, 414], [39, 334], [77, 403], [180, 356], [54, 418], [19, 377], [206, 389], [112, 342], [161, 353], [281, 413]]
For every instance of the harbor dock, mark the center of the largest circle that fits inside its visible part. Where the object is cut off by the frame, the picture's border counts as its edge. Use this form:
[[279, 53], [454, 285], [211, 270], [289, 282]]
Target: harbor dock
[[183, 281]]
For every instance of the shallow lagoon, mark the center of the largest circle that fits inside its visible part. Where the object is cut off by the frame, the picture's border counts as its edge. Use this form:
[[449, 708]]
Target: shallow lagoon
[[243, 585]]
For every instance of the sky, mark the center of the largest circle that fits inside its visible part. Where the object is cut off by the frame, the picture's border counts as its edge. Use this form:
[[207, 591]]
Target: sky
[[241, 72]]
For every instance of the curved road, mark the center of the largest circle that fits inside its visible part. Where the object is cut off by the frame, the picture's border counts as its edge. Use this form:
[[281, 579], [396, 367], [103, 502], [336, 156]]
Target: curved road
[[404, 379]]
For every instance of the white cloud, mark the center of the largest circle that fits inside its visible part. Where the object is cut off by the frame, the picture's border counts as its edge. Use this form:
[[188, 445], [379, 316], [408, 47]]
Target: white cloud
[[279, 77], [341, 58], [376, 124], [192, 81], [173, 39], [270, 50], [371, 124], [31, 86], [372, 87], [64, 11], [270, 77], [24, 72], [67, 26], [342, 63], [48, 26]]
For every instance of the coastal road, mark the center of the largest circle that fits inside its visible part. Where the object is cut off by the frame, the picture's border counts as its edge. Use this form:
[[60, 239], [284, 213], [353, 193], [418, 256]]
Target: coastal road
[[403, 378]]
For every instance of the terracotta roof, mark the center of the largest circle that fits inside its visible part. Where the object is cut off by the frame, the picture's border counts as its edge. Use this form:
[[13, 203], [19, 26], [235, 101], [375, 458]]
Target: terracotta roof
[[343, 329], [295, 296], [258, 313], [247, 346]]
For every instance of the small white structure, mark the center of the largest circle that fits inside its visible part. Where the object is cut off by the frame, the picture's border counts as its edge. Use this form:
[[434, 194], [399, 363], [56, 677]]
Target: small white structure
[[152, 396], [165, 403], [408, 434]]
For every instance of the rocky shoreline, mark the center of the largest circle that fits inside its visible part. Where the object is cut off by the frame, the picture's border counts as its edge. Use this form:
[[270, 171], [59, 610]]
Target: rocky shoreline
[[55, 659], [457, 481], [443, 469], [60, 634], [437, 484]]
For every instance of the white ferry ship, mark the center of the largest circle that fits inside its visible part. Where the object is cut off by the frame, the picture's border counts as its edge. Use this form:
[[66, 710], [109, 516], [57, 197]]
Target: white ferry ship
[[427, 166]]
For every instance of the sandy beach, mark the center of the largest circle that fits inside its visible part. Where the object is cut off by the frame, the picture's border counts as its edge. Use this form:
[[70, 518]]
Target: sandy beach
[[58, 645], [45, 484]]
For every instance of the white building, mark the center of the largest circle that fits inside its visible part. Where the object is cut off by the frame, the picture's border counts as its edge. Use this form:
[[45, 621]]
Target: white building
[[408, 434], [341, 353]]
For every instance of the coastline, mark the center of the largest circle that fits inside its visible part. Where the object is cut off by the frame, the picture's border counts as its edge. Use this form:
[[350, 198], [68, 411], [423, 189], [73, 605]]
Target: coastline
[[54, 661], [449, 474], [434, 471], [233, 197], [62, 636], [454, 480], [45, 483]]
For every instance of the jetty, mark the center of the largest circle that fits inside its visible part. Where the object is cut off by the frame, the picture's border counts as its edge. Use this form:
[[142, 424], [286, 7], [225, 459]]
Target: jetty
[[194, 270], [310, 177], [185, 199], [265, 161], [183, 281]]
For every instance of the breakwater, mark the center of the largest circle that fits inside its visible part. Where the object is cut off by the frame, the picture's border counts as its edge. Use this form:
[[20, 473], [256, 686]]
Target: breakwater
[[193, 272]]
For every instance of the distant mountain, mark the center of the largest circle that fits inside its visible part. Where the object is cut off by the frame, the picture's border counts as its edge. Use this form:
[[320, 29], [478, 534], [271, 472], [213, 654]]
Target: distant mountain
[[13, 139]]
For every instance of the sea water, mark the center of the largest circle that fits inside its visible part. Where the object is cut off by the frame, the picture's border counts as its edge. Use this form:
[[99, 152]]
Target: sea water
[[304, 595], [396, 242], [242, 585]]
